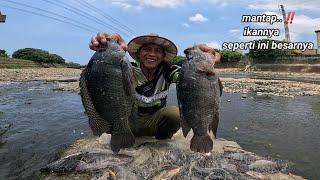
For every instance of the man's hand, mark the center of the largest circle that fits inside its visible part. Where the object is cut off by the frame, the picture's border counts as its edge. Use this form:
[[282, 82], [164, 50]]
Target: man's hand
[[103, 38], [206, 66], [215, 56]]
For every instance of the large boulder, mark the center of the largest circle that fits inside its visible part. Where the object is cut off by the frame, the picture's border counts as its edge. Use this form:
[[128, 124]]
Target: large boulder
[[161, 159]]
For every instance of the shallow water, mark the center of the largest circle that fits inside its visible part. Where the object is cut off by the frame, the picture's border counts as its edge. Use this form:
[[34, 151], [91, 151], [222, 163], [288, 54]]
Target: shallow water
[[277, 127], [45, 121]]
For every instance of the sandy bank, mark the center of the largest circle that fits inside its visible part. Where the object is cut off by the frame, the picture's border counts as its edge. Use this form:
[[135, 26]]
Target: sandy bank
[[38, 74]]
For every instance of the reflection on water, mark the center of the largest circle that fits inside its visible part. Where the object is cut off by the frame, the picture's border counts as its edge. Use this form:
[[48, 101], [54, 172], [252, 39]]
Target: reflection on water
[[44, 121]]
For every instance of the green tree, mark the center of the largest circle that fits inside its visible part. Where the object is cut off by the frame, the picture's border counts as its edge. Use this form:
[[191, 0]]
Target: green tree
[[230, 56], [266, 55], [3, 53], [73, 65], [37, 55], [57, 59], [178, 60]]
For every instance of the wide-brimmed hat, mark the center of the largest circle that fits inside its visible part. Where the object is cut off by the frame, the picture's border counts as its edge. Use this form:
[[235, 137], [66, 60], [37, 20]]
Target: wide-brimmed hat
[[168, 46]]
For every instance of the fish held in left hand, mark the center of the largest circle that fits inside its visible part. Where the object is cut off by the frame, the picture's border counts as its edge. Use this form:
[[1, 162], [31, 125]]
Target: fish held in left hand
[[107, 88], [198, 92]]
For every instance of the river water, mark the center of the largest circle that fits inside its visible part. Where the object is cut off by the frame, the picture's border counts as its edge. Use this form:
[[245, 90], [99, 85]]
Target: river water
[[45, 121]]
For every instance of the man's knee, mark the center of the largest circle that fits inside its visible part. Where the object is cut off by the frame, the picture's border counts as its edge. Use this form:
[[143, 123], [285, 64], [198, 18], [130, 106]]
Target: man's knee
[[169, 122], [171, 112]]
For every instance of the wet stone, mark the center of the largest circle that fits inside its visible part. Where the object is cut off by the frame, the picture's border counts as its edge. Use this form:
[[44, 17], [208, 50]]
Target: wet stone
[[263, 166]]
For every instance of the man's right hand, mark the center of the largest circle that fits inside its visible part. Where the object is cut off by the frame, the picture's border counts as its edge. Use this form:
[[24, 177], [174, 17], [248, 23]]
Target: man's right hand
[[103, 38]]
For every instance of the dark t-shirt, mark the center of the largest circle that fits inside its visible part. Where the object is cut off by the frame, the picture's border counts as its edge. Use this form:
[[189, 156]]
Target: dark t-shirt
[[152, 95]]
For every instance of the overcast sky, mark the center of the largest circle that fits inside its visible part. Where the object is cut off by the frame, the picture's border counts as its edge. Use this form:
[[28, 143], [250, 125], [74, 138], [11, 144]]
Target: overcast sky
[[185, 22]]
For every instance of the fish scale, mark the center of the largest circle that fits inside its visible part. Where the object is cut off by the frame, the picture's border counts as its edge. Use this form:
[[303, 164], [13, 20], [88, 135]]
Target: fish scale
[[198, 95], [107, 94]]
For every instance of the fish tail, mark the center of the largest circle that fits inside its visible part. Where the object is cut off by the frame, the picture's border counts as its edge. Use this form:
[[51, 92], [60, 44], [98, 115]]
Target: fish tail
[[119, 141], [201, 144]]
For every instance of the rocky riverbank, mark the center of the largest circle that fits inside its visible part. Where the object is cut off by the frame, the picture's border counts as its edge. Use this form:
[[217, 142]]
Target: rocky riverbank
[[266, 84], [45, 74], [163, 159], [67, 80]]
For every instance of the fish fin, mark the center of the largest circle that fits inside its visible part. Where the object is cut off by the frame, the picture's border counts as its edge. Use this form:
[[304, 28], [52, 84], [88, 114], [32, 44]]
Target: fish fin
[[97, 124], [185, 128], [202, 144], [220, 86], [213, 126], [184, 125], [121, 140]]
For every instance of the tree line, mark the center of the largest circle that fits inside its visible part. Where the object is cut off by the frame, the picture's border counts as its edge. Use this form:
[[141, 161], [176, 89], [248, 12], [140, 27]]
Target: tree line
[[255, 55], [226, 57], [37, 55]]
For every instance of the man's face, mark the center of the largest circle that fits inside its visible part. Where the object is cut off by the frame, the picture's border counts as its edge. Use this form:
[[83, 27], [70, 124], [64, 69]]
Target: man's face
[[151, 55]]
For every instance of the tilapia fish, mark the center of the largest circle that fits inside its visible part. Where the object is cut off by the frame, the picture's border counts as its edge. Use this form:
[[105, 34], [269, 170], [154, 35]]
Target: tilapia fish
[[106, 89], [198, 92]]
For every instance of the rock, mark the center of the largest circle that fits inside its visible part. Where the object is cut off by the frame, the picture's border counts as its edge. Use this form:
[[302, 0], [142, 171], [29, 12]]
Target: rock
[[263, 166], [228, 166], [104, 139], [167, 173], [154, 159], [281, 176], [231, 149], [257, 175]]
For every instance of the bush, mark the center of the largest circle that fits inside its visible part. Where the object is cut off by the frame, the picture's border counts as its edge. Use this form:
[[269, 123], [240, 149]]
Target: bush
[[57, 59], [266, 55], [73, 65], [37, 55], [178, 60], [230, 56], [3, 53]]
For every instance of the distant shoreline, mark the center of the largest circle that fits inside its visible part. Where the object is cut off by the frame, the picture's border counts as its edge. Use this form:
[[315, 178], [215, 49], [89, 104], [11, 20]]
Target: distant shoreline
[[67, 78]]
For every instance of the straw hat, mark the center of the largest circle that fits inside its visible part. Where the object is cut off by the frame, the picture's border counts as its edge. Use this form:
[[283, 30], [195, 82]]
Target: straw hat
[[169, 47]]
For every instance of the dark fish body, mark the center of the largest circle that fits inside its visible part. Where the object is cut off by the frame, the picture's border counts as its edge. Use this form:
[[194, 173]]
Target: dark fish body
[[106, 89], [198, 93]]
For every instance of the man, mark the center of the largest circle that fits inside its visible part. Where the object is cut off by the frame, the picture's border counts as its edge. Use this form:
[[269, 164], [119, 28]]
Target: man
[[154, 74]]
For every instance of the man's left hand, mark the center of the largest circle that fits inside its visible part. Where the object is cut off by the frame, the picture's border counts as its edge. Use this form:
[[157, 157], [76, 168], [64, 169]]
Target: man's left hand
[[215, 56]]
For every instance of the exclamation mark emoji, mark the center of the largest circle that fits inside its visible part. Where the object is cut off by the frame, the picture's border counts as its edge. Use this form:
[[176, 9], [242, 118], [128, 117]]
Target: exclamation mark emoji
[[290, 16]]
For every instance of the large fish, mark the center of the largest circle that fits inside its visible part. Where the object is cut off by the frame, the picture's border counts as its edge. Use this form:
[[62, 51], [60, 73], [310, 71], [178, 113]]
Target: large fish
[[198, 92], [106, 88]]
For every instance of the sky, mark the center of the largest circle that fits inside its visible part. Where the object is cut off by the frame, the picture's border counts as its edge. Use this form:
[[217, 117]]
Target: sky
[[185, 22]]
